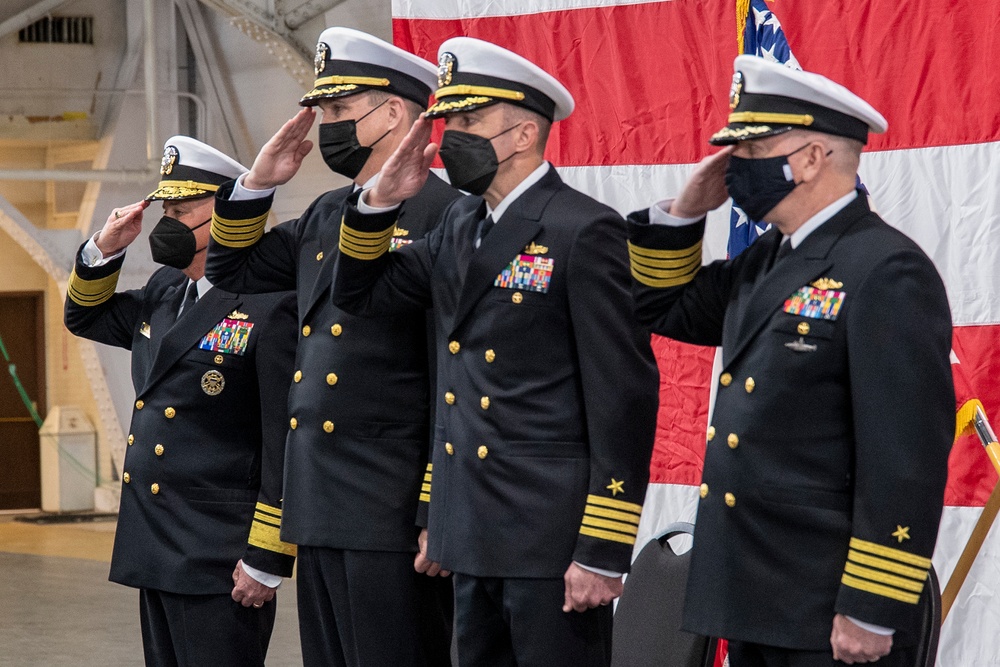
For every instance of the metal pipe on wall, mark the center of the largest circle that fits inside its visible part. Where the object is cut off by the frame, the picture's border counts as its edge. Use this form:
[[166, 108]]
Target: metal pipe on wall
[[149, 76]]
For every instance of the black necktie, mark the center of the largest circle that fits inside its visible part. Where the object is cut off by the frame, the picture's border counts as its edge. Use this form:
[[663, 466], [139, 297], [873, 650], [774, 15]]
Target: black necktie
[[190, 297], [784, 250], [485, 225]]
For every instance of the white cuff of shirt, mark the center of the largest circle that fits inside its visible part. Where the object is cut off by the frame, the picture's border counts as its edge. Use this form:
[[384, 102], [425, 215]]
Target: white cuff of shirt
[[91, 254], [241, 193], [266, 578], [871, 627], [597, 570], [659, 214], [365, 209]]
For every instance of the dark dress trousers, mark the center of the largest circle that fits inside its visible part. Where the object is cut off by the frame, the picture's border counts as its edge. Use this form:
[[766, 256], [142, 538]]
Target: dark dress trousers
[[360, 421], [547, 388], [202, 479], [828, 449]]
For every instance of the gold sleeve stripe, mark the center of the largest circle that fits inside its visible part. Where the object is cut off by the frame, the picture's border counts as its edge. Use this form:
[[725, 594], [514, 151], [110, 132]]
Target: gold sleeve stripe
[[91, 292], [879, 589], [266, 518], [425, 497], [263, 507], [428, 476], [425, 487], [663, 282], [890, 553], [365, 245], [671, 264], [606, 535], [884, 578], [611, 525], [888, 565], [652, 253], [238, 233], [613, 514], [614, 504], [665, 274], [268, 538]]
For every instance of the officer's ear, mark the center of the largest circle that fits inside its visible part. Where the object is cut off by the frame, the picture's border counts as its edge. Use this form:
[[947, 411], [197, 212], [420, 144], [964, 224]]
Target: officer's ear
[[396, 112], [526, 136], [813, 159]]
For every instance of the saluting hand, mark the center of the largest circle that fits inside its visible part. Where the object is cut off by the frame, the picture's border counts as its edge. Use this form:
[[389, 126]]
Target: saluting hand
[[853, 644], [248, 591], [282, 155], [406, 170], [422, 563], [586, 590], [121, 228], [705, 190]]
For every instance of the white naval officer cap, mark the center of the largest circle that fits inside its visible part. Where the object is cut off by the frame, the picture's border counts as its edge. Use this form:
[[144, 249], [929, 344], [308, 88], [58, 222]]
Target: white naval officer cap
[[191, 169], [768, 98], [350, 61], [473, 74]]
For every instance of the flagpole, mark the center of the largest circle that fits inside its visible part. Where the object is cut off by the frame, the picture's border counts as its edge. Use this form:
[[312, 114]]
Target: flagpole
[[983, 525]]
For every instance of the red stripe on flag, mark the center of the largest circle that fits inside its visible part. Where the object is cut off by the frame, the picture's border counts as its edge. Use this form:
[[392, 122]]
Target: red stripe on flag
[[651, 80], [685, 374]]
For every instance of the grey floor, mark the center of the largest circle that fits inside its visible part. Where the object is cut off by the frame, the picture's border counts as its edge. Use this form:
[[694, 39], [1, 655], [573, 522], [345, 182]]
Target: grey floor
[[64, 611]]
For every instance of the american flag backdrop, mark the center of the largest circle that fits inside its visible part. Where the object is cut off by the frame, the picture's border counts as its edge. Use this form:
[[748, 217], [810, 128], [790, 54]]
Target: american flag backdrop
[[651, 82]]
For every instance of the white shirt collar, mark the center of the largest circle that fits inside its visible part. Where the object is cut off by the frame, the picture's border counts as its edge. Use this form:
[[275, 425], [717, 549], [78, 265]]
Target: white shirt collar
[[813, 223], [512, 196], [203, 286], [370, 183]]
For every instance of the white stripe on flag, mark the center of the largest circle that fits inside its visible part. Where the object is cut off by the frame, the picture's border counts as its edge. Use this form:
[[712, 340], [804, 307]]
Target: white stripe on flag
[[465, 9]]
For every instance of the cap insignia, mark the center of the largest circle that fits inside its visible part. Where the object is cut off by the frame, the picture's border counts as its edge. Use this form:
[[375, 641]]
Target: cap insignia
[[735, 90], [446, 68], [319, 62], [170, 156]]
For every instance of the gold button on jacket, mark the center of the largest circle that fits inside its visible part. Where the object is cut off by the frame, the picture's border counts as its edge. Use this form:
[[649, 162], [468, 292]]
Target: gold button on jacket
[[803, 328], [131, 438], [126, 478], [517, 297], [454, 346], [306, 330], [331, 379], [482, 451], [448, 448], [170, 412], [703, 491], [750, 385], [484, 402], [733, 441], [159, 450], [139, 404], [294, 423], [711, 433], [328, 426], [336, 329], [319, 256], [449, 398], [490, 356], [725, 379], [218, 359], [298, 376], [155, 488], [730, 500]]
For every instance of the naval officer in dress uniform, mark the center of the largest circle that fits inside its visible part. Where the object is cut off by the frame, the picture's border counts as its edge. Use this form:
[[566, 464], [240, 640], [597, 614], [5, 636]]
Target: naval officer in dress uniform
[[828, 448], [359, 404], [198, 527], [546, 385]]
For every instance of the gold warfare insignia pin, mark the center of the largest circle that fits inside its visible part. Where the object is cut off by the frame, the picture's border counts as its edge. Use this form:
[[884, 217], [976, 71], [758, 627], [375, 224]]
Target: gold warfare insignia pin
[[735, 90], [398, 231], [319, 62], [535, 249], [212, 382], [446, 68], [237, 315], [170, 156], [826, 283]]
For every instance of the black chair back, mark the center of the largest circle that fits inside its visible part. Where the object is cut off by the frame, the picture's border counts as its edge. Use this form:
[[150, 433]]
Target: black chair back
[[647, 626]]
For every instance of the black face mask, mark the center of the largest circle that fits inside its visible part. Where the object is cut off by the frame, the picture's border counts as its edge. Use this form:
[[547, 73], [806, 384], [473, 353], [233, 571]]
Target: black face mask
[[470, 160], [173, 243], [338, 143], [757, 185]]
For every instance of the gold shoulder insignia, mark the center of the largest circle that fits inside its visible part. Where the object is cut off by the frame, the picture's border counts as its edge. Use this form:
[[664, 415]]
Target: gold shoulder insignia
[[400, 232], [237, 315], [827, 283], [535, 249]]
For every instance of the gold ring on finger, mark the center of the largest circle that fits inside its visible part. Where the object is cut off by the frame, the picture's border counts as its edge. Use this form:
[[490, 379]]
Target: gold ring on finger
[[118, 214]]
